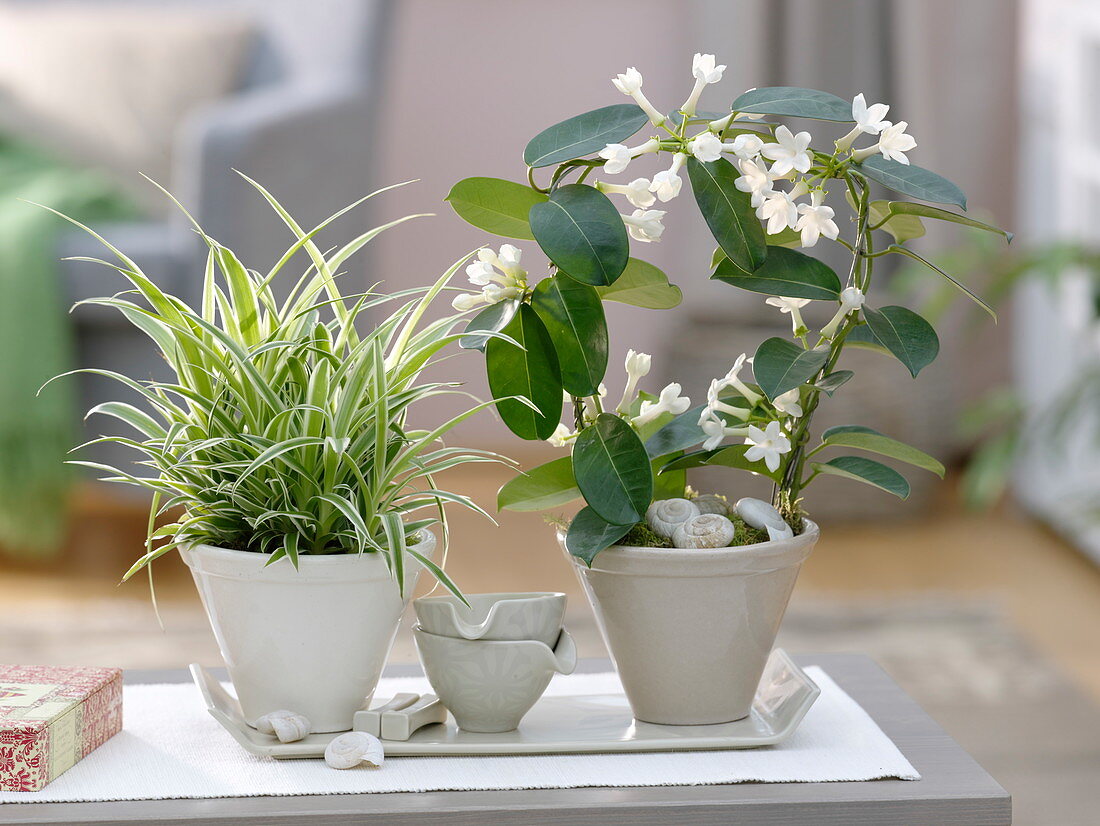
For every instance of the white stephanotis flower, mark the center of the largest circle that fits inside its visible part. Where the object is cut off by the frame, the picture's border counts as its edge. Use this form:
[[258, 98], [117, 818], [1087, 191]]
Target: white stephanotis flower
[[755, 179], [768, 444], [467, 301], [637, 368], [717, 431], [705, 71], [666, 184], [851, 299], [893, 143], [788, 152], [733, 379], [706, 147], [499, 275], [870, 120], [789, 403], [815, 219], [669, 401], [645, 224], [561, 436], [746, 146], [630, 83], [637, 191], [617, 156], [508, 261], [716, 405], [703, 68], [778, 209], [792, 306]]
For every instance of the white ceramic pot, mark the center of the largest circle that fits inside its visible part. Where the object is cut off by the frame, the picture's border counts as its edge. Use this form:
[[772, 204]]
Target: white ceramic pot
[[312, 640], [512, 616], [488, 685], [690, 631]]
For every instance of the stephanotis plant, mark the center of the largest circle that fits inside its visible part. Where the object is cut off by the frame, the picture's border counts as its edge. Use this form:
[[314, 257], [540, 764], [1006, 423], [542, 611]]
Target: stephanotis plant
[[766, 192]]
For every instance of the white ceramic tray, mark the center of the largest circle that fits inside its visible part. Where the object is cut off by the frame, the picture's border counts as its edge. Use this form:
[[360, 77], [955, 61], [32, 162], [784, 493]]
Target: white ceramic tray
[[561, 725]]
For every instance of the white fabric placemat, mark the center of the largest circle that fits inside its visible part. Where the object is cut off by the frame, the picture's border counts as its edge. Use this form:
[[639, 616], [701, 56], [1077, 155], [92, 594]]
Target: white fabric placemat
[[170, 747]]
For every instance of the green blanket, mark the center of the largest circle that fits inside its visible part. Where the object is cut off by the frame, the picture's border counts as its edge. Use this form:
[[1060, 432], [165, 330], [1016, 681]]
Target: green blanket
[[36, 432]]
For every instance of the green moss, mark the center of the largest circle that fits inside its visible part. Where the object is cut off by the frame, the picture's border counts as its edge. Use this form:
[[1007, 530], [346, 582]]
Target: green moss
[[642, 536], [745, 535]]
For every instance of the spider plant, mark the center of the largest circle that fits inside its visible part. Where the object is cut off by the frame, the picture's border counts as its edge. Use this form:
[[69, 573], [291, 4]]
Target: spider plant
[[286, 431]]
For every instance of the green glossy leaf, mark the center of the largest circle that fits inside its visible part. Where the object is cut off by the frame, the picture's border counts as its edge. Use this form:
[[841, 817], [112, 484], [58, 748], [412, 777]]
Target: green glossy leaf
[[679, 434], [912, 180], [573, 315], [584, 134], [867, 471], [546, 486], [492, 319], [589, 534], [787, 273], [831, 383], [907, 208], [788, 237], [905, 334], [900, 250], [671, 485], [495, 205], [862, 338], [642, 285], [529, 370], [728, 212], [732, 456], [794, 102], [580, 230], [864, 438], [901, 227], [781, 365], [612, 470]]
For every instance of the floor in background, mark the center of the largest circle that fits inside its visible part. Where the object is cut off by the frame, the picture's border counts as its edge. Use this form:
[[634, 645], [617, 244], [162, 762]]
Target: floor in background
[[988, 621]]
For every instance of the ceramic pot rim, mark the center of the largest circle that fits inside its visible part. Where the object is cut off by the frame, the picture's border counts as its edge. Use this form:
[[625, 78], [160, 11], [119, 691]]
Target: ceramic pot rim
[[496, 596], [462, 642], [211, 560], [760, 557]]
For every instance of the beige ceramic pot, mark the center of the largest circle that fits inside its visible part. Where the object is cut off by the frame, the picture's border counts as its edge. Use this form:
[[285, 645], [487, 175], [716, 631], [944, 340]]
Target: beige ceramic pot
[[312, 640], [690, 631]]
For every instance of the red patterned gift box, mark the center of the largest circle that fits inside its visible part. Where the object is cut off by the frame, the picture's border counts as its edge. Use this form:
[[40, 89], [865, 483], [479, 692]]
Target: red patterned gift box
[[51, 717]]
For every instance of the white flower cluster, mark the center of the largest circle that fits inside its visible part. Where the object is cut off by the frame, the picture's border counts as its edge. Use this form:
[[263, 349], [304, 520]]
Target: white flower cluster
[[789, 154], [637, 366], [768, 443], [498, 274]]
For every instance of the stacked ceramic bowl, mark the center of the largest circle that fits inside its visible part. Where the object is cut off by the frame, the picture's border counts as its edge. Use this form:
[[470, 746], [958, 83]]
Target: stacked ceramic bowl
[[491, 660]]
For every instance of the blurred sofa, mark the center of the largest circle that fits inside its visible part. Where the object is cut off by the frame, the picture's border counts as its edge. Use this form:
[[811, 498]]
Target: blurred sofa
[[284, 91]]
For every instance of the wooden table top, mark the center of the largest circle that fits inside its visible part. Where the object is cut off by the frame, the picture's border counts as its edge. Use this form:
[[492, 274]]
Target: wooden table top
[[954, 789]]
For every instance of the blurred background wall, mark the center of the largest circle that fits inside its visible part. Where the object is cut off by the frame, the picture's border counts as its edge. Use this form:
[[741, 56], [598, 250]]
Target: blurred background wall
[[323, 103]]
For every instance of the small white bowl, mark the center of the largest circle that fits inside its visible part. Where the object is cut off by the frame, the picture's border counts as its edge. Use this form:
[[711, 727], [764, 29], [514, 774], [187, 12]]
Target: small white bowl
[[488, 685], [514, 616]]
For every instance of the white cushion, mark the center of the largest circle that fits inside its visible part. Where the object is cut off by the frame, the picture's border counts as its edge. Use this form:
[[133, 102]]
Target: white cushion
[[108, 85]]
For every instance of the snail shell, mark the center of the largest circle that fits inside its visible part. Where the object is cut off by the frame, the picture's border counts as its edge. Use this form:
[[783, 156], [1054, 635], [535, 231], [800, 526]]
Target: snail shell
[[288, 726], [354, 748], [665, 515], [708, 530], [760, 515], [712, 503]]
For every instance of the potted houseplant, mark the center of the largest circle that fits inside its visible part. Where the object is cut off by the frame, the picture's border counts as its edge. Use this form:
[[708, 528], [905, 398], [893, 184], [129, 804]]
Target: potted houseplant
[[305, 498], [689, 591]]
